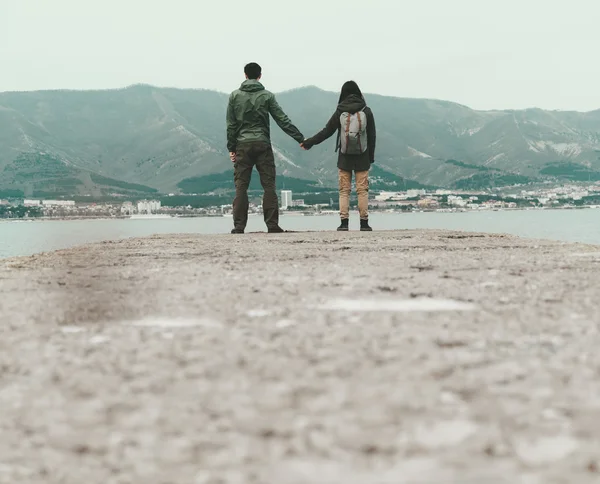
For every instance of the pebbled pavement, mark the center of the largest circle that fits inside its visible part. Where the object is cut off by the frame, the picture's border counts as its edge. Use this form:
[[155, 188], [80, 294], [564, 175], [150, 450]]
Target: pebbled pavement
[[375, 358]]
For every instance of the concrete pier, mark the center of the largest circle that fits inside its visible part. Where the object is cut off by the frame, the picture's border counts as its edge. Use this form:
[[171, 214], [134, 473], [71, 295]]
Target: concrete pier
[[359, 358]]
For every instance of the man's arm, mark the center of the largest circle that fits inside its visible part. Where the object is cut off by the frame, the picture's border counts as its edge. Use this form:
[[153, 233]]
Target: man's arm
[[232, 127], [283, 121], [327, 132], [371, 134]]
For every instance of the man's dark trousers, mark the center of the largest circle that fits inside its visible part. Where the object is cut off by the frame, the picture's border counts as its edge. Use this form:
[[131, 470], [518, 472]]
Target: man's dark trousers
[[247, 155]]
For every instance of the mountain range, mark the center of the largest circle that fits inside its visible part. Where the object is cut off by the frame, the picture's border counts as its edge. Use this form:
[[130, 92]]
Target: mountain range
[[145, 139]]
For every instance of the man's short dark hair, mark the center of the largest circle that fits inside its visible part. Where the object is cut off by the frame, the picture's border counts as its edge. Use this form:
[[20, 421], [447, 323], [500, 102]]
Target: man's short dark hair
[[253, 70]]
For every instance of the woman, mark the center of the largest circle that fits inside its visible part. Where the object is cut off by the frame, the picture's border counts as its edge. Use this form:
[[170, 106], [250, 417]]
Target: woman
[[355, 125]]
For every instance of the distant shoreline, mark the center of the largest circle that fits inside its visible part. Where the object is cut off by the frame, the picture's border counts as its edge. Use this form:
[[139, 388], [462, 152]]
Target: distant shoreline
[[293, 214]]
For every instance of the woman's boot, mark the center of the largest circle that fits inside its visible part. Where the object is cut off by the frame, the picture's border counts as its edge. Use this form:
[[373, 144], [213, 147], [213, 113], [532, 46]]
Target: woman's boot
[[364, 226], [344, 226]]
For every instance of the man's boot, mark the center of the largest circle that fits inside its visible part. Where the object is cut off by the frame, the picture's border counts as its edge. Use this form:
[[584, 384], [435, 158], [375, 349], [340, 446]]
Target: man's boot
[[364, 226], [344, 226], [276, 230], [237, 231]]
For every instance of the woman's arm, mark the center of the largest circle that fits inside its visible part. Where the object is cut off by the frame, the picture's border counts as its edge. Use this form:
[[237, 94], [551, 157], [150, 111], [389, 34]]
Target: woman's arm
[[371, 134], [327, 132]]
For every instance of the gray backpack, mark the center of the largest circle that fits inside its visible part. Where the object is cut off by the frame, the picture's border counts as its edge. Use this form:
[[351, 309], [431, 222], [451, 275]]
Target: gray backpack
[[353, 133]]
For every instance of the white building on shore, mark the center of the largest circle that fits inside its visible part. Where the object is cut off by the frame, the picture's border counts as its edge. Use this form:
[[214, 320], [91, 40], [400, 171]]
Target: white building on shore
[[127, 208], [457, 201], [390, 196], [148, 206], [58, 203], [286, 199]]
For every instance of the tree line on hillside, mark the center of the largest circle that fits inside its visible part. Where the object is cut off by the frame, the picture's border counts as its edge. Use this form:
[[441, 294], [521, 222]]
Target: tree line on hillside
[[20, 211]]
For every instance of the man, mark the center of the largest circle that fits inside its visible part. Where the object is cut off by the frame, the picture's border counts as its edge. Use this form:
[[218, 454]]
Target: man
[[249, 144]]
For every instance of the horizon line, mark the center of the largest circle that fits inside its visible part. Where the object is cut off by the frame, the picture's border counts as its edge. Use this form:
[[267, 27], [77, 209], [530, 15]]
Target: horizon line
[[310, 86]]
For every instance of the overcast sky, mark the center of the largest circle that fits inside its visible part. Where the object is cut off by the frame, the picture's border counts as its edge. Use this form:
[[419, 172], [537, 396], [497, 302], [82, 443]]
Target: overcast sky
[[483, 53]]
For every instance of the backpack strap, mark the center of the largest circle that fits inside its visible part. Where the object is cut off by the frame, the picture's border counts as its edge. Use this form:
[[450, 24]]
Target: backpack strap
[[359, 130]]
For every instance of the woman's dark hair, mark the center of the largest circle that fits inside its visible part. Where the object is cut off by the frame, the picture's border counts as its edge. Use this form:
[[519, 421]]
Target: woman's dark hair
[[350, 88]]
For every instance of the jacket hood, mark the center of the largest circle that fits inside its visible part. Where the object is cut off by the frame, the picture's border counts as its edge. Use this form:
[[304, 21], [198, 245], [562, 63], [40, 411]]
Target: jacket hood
[[251, 85], [352, 104]]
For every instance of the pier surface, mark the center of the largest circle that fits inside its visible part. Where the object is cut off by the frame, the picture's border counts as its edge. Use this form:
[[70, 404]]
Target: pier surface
[[358, 358]]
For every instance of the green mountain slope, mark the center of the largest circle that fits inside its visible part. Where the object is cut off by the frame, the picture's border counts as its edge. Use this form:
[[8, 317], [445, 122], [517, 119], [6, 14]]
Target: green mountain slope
[[145, 138], [380, 179]]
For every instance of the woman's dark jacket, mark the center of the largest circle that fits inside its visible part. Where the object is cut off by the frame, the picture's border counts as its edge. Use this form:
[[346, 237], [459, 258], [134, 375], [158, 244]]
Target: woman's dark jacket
[[352, 104]]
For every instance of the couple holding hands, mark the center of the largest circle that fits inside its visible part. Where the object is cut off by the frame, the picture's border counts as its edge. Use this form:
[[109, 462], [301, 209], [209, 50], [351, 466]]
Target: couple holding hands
[[249, 145]]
